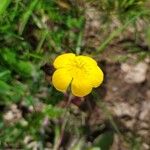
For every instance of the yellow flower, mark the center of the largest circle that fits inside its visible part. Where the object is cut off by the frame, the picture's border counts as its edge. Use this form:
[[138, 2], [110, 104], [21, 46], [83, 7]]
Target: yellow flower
[[81, 73]]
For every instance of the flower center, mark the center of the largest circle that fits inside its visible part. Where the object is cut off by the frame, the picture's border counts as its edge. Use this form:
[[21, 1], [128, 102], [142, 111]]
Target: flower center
[[78, 64], [78, 68]]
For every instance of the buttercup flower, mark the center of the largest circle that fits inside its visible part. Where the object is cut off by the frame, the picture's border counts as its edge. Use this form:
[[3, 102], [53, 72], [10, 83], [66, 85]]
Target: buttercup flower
[[79, 72]]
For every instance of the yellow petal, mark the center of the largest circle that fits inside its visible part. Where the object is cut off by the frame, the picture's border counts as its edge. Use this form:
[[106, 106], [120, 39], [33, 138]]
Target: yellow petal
[[87, 60], [61, 79], [64, 60], [80, 87], [95, 76]]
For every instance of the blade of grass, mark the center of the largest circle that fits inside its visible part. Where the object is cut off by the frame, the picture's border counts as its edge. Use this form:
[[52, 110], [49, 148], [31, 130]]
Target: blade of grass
[[46, 34], [3, 6], [26, 16], [4, 73], [79, 43], [118, 31], [39, 46], [16, 8], [34, 55], [5, 88]]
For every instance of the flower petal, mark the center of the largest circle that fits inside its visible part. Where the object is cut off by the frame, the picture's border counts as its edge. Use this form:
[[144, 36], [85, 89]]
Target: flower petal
[[95, 76], [61, 79], [87, 60], [80, 87], [63, 60]]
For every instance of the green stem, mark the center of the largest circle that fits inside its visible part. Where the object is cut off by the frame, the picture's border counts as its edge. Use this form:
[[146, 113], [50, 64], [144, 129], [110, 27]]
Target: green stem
[[79, 42], [65, 116]]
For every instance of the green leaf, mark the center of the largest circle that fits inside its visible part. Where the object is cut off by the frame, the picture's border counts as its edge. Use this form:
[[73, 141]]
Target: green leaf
[[18, 91], [105, 140], [53, 112], [74, 22], [4, 87], [25, 68], [9, 57], [5, 75]]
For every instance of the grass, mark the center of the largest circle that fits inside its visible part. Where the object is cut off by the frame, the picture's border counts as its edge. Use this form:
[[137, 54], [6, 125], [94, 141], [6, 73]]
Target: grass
[[32, 33]]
